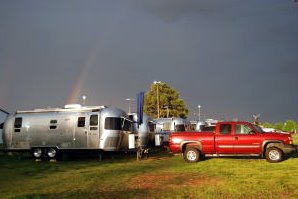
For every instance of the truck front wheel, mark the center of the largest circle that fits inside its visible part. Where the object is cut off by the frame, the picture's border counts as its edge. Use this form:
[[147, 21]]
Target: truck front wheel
[[191, 155], [273, 155]]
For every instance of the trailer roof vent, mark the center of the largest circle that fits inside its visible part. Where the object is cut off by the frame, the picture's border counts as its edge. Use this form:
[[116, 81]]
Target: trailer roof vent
[[73, 106]]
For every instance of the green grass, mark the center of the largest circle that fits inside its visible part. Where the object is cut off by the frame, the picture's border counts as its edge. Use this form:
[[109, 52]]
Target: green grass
[[160, 176]]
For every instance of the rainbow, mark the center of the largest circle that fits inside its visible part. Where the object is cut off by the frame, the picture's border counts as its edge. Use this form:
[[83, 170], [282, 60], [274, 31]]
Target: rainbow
[[76, 90]]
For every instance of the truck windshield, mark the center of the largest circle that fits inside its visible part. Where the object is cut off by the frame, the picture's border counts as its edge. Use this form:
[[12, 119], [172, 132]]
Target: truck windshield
[[259, 129]]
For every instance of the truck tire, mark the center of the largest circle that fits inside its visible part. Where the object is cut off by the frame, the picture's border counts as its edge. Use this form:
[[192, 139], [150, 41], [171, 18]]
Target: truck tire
[[191, 155], [274, 155], [37, 152], [51, 153]]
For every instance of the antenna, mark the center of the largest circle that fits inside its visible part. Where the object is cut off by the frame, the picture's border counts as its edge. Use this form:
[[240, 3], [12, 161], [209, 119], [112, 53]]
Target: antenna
[[256, 118]]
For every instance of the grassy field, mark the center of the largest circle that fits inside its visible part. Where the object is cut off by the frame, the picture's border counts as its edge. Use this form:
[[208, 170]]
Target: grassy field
[[160, 176]]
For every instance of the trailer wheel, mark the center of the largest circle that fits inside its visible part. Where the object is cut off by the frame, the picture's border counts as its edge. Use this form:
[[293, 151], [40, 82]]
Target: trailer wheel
[[273, 155], [51, 152], [191, 155], [37, 152]]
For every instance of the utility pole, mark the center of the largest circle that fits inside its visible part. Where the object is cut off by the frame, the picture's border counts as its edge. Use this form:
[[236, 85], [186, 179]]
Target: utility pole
[[157, 97]]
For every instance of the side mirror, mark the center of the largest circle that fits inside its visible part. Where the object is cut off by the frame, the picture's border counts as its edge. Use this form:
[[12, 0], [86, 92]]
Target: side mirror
[[252, 132]]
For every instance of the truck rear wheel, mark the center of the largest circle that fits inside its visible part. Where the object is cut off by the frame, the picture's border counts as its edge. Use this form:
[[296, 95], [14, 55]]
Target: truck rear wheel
[[273, 155], [191, 155]]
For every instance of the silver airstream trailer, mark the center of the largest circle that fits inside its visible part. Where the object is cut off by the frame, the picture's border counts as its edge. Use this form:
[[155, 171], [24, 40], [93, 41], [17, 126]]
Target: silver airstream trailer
[[168, 125], [145, 131], [45, 132], [206, 126]]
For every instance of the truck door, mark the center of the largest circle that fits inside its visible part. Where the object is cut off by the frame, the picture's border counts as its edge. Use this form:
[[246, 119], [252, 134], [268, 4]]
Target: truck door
[[224, 140], [93, 131], [247, 141]]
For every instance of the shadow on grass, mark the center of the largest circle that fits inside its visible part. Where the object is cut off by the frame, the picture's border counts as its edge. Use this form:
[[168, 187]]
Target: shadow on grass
[[24, 165], [294, 155], [129, 193]]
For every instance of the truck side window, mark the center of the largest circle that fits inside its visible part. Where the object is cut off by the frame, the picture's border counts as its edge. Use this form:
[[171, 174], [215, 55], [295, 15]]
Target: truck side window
[[93, 120], [81, 122], [242, 129], [225, 129]]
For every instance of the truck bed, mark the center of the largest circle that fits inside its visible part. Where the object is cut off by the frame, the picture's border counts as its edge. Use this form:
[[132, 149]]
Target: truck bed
[[207, 139]]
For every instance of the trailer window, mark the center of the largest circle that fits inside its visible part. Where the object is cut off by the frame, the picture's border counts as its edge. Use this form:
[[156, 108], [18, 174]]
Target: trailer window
[[18, 122], [113, 123], [93, 120], [126, 124], [167, 126], [225, 129], [81, 122], [180, 127], [53, 126], [152, 127]]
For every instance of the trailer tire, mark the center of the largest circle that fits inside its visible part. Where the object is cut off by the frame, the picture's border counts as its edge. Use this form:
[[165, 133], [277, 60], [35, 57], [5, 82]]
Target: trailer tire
[[51, 153], [273, 155], [191, 155], [37, 152]]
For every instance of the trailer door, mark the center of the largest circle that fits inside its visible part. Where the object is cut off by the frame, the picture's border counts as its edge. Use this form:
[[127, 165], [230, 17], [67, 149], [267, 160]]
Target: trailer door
[[81, 132], [93, 131]]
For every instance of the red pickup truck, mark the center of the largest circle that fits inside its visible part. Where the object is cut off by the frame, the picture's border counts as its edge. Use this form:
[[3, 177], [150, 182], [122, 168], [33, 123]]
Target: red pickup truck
[[232, 139]]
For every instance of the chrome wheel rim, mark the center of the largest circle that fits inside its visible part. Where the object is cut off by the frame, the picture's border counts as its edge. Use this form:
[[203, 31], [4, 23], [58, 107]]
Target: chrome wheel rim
[[274, 155], [51, 153], [37, 153], [191, 155]]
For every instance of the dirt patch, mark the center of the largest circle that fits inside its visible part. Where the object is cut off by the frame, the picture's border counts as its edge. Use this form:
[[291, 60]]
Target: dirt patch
[[170, 180]]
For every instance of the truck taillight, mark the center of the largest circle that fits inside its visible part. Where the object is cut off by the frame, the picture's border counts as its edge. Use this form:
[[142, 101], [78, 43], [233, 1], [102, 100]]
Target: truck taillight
[[290, 140]]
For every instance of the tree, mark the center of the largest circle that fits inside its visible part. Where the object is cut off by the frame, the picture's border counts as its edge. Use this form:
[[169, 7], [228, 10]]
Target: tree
[[170, 104], [290, 126]]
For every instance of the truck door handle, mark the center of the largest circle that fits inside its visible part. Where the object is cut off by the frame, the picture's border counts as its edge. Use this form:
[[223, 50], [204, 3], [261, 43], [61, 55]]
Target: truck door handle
[[236, 138]]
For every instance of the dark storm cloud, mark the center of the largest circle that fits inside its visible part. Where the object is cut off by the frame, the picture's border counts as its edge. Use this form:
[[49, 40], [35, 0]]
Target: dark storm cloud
[[234, 58]]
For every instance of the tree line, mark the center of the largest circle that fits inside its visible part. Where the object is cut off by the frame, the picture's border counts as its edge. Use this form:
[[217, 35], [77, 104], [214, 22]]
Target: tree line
[[164, 101], [288, 126]]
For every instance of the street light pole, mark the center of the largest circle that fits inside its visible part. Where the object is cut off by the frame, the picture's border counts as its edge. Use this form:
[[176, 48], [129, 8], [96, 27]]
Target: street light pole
[[84, 97], [157, 96], [199, 106], [129, 103]]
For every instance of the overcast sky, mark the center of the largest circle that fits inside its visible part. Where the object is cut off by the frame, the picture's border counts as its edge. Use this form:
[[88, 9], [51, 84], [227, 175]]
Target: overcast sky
[[235, 58]]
